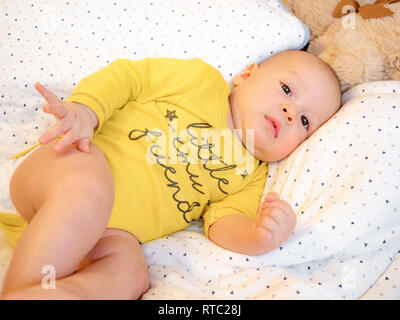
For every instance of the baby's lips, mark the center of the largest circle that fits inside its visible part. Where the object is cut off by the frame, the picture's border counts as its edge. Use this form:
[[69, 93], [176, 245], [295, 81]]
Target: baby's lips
[[274, 123]]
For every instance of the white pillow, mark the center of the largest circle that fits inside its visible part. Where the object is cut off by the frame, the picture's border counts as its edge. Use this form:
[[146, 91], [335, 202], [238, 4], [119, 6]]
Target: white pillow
[[344, 181], [59, 42]]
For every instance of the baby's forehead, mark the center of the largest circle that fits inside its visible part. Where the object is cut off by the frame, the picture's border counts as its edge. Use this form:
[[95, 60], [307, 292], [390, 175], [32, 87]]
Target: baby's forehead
[[303, 63], [299, 61]]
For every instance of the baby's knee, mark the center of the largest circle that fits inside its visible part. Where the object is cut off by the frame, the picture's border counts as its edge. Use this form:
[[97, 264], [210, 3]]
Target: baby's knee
[[133, 271], [128, 260]]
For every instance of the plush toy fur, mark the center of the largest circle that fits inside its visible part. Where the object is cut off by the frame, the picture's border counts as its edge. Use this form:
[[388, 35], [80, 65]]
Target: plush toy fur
[[358, 49]]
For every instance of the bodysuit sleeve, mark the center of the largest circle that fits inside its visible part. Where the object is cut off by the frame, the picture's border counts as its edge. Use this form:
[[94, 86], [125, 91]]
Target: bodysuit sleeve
[[245, 201], [123, 80]]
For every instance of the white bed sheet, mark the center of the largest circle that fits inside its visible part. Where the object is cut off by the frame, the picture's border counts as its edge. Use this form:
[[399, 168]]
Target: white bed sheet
[[186, 265]]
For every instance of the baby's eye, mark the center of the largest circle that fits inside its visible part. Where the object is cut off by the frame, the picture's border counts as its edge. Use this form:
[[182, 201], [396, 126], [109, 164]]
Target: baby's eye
[[285, 89], [304, 122]]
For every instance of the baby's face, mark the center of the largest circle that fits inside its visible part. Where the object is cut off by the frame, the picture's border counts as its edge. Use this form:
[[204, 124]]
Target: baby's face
[[284, 100]]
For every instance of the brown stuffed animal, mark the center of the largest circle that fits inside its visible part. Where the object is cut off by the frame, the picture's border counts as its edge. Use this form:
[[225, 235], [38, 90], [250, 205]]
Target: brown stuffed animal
[[360, 39]]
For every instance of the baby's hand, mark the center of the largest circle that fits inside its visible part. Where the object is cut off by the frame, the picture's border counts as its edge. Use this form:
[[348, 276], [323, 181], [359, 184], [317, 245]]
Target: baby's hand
[[75, 121], [274, 223]]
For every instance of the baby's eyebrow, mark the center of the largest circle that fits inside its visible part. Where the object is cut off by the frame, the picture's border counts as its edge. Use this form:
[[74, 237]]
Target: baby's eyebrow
[[293, 74]]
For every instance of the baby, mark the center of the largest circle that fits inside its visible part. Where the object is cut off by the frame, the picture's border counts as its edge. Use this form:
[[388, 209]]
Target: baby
[[129, 160]]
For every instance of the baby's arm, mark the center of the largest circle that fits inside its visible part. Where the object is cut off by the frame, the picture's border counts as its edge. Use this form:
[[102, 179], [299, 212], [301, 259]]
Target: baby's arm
[[273, 224]]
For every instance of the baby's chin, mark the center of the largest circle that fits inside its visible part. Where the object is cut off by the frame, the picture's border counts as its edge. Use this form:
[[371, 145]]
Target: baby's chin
[[257, 148], [268, 158], [270, 155]]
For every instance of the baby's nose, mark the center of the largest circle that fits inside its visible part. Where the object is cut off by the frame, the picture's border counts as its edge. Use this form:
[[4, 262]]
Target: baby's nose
[[288, 113]]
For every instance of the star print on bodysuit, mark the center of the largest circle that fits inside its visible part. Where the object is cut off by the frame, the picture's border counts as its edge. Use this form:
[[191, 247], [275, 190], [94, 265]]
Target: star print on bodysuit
[[171, 115]]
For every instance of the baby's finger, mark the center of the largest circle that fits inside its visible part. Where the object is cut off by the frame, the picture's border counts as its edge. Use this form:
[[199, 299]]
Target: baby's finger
[[279, 204], [264, 214], [58, 110], [270, 225], [279, 217], [68, 139], [83, 145], [58, 129], [47, 94], [271, 196]]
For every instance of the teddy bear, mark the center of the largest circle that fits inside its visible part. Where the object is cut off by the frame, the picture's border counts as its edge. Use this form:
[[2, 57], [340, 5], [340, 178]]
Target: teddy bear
[[360, 40]]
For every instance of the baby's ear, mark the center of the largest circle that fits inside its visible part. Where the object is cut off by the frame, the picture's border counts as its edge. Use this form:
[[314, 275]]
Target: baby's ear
[[243, 75]]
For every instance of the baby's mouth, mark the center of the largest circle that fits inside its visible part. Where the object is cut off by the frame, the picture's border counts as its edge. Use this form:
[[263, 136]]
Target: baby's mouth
[[274, 125]]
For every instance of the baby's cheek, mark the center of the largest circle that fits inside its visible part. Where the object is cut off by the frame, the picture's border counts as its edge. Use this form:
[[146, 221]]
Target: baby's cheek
[[257, 137], [260, 140], [287, 146], [278, 149]]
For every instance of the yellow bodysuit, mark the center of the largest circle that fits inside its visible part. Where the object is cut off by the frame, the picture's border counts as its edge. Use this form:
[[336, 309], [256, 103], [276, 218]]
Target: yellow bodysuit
[[163, 128]]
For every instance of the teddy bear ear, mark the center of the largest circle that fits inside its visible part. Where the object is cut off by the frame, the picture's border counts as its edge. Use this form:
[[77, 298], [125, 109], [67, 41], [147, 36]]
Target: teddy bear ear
[[343, 6], [385, 1], [369, 11]]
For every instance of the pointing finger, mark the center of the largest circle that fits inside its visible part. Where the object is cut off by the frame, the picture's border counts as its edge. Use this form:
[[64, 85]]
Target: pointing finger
[[57, 110], [47, 94]]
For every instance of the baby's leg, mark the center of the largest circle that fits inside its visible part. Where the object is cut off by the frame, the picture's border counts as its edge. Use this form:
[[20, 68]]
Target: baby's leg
[[114, 269], [67, 200]]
